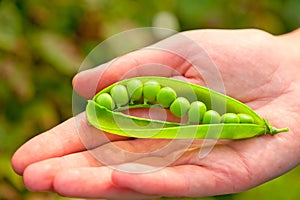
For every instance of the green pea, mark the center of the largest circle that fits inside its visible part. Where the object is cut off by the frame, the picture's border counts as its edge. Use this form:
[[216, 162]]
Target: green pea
[[150, 90], [196, 112], [135, 90], [244, 118], [166, 96], [106, 100], [230, 118], [120, 95], [180, 106], [211, 117]]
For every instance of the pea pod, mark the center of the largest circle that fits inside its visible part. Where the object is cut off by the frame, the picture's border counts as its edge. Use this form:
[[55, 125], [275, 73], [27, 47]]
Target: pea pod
[[115, 122]]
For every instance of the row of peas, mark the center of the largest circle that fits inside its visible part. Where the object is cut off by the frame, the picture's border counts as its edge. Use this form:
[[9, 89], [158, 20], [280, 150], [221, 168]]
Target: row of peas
[[151, 92]]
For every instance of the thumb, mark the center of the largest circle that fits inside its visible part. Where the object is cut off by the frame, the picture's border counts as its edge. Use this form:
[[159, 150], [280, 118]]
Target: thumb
[[177, 55], [145, 62]]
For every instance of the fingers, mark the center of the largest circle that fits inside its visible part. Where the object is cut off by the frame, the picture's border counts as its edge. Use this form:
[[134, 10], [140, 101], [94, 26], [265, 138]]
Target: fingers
[[40, 176], [219, 171], [186, 180], [92, 183], [228, 167], [179, 181], [73, 135], [143, 62], [58, 141], [72, 171]]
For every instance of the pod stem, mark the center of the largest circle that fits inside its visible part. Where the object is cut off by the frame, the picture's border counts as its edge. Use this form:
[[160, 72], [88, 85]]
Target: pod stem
[[272, 130]]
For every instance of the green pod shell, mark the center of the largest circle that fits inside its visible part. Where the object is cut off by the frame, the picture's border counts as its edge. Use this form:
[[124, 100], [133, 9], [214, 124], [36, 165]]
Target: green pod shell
[[115, 122]]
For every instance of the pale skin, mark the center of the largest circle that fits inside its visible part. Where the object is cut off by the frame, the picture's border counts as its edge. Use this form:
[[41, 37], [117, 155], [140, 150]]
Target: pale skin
[[257, 68]]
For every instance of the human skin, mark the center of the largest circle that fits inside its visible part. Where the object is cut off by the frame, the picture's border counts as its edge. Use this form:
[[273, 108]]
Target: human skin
[[257, 68]]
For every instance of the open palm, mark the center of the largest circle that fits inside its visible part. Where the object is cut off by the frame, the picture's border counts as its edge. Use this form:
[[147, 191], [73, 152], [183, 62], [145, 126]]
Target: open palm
[[255, 68]]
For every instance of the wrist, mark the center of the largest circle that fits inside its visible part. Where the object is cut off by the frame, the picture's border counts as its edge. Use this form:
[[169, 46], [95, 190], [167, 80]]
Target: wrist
[[292, 39], [291, 44]]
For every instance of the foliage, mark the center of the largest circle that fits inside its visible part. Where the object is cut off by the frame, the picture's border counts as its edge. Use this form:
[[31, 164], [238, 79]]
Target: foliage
[[42, 44]]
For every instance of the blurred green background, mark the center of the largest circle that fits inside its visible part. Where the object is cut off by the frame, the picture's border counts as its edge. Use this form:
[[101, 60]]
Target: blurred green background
[[43, 43]]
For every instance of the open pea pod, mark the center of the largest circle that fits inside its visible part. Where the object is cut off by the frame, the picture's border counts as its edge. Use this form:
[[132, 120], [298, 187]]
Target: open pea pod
[[110, 119]]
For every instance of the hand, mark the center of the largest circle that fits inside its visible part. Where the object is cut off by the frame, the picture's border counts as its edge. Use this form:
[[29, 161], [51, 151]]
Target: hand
[[256, 68]]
